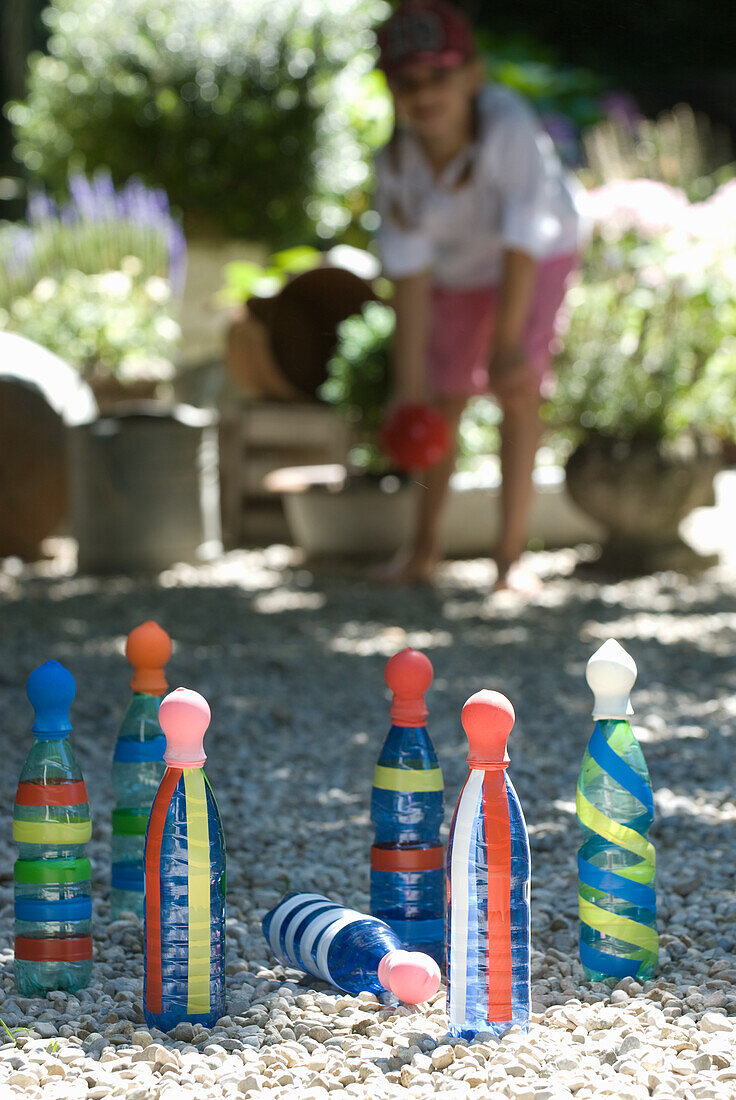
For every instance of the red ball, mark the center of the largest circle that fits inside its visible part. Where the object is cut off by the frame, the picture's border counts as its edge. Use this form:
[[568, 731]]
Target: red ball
[[415, 436]]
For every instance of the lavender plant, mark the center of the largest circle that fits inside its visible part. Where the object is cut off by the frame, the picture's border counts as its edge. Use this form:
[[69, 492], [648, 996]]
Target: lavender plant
[[98, 279]]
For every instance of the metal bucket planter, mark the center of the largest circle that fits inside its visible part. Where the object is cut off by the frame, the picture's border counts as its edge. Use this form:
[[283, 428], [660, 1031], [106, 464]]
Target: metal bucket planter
[[144, 489]]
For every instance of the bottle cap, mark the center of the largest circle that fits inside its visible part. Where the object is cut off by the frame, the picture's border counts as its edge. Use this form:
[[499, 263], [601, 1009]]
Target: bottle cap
[[148, 648], [184, 716], [411, 976], [611, 674], [51, 690], [487, 719], [408, 675]]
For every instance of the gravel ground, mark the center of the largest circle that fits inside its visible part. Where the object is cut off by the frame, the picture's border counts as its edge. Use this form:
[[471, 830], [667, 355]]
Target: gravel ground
[[291, 660]]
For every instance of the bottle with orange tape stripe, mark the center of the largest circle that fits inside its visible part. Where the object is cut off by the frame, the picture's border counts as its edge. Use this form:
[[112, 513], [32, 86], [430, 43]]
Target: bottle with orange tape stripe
[[51, 826], [407, 857], [184, 863], [488, 868], [138, 765]]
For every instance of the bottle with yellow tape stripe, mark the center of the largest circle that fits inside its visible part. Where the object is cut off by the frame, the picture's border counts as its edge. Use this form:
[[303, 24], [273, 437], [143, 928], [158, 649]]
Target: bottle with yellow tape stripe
[[407, 857], [615, 808], [51, 826], [184, 869]]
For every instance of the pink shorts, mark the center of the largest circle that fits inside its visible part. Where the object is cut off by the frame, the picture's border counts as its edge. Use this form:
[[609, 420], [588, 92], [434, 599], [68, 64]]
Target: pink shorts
[[462, 323]]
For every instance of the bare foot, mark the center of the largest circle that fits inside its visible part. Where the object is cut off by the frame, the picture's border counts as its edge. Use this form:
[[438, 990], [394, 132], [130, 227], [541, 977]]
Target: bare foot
[[517, 578], [405, 567]]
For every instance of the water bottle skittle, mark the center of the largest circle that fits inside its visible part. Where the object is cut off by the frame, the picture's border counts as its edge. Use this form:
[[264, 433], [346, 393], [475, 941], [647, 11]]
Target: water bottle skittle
[[615, 808], [138, 765], [488, 868], [184, 917], [51, 826], [407, 857], [351, 950]]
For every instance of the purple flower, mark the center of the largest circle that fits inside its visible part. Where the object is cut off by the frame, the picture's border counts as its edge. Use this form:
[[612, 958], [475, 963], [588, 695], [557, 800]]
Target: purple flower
[[621, 107]]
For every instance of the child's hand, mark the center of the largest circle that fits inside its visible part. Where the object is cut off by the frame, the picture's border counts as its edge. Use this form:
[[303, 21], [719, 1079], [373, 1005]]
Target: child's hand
[[509, 373]]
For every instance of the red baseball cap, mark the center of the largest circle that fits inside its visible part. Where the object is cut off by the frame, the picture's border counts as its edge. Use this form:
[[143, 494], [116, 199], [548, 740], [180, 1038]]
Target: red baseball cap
[[425, 32]]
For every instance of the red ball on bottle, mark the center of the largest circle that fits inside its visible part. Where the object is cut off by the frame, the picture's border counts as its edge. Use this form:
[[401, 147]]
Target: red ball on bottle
[[415, 436]]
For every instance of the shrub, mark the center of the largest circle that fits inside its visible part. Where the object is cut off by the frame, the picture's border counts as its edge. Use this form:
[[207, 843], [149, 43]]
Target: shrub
[[226, 104], [650, 348]]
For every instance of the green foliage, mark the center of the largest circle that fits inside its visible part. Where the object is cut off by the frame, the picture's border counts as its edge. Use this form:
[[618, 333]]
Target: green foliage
[[246, 278], [650, 350], [358, 380], [523, 63], [238, 109], [112, 323]]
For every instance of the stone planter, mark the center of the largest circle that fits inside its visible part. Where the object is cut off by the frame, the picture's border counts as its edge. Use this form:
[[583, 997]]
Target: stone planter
[[640, 491], [331, 516], [144, 489]]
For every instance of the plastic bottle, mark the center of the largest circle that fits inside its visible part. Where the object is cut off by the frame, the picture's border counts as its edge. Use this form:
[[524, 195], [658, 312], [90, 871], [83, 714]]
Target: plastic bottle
[[615, 807], [350, 950], [51, 826], [407, 857], [138, 765], [184, 916], [488, 869]]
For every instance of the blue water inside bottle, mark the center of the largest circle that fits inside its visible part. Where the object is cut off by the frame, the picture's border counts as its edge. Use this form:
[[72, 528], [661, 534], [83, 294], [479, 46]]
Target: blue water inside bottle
[[176, 934], [412, 902], [137, 770], [351, 959], [476, 1023]]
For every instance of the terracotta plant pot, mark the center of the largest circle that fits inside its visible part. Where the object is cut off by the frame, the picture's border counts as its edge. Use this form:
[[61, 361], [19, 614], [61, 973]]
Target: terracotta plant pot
[[640, 490]]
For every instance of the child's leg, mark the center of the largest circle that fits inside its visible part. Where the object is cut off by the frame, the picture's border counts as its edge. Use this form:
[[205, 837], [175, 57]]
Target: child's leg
[[521, 430], [419, 560]]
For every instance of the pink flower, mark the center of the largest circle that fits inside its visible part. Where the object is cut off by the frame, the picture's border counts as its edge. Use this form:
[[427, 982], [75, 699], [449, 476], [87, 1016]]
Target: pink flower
[[646, 206]]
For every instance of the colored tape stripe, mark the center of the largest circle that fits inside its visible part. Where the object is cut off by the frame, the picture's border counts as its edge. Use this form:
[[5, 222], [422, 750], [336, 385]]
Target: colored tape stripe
[[129, 822], [407, 859], [140, 752], [418, 931], [52, 870], [70, 949], [347, 916], [460, 954], [609, 761], [611, 830], [602, 963], [611, 924], [413, 780], [52, 794], [153, 887], [498, 851], [198, 892], [617, 885], [52, 832], [311, 935], [281, 912], [306, 913], [60, 909]]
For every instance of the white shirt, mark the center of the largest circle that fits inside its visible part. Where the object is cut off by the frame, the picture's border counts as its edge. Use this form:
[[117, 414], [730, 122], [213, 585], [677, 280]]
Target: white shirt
[[518, 196]]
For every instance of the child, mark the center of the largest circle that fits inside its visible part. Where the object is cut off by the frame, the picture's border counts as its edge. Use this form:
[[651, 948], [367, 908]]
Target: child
[[479, 232]]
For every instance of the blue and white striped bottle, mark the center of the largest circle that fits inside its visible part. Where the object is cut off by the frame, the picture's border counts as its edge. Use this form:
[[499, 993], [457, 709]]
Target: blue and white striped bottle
[[350, 950]]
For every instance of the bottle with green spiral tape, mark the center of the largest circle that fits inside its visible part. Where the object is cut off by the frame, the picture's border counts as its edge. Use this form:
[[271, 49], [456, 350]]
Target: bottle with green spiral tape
[[615, 808]]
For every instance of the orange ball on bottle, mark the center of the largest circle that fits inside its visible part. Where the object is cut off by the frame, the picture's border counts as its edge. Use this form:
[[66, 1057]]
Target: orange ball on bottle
[[148, 648]]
